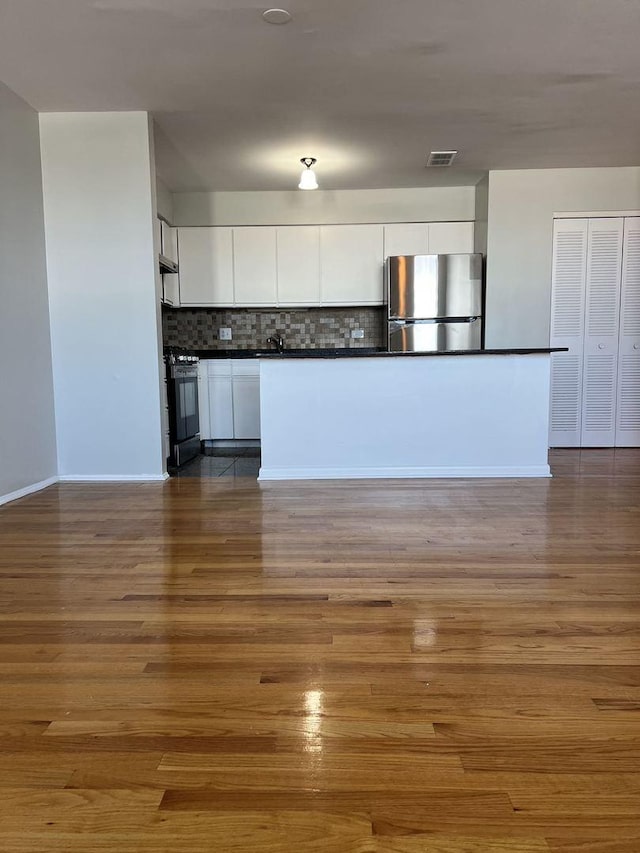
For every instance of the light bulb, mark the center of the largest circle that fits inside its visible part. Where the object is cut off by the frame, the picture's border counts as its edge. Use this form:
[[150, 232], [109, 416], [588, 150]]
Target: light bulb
[[308, 180]]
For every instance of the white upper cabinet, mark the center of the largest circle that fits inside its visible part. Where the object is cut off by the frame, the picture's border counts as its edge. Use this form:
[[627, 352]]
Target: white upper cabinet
[[406, 238], [169, 242], [254, 264], [450, 238], [171, 289], [266, 266], [298, 261], [351, 258], [157, 235], [206, 266]]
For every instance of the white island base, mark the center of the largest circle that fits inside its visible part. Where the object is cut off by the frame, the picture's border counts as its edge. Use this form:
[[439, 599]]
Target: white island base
[[475, 415]]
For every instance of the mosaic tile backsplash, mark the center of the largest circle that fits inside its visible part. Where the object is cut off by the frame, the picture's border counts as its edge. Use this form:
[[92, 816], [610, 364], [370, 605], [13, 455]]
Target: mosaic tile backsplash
[[197, 328]]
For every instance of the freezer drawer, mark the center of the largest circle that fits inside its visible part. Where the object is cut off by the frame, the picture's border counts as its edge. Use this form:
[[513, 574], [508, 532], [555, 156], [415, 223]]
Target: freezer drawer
[[435, 337], [434, 286]]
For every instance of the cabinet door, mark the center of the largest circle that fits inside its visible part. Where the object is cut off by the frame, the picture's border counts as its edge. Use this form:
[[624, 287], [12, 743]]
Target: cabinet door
[[171, 289], [220, 406], [351, 264], [298, 262], [567, 330], [406, 238], [450, 238], [220, 394], [628, 405], [206, 266], [203, 401], [602, 316], [246, 407], [157, 235], [254, 264], [170, 242]]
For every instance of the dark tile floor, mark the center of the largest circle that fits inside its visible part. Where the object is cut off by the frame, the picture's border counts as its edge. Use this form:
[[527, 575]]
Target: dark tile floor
[[223, 462]]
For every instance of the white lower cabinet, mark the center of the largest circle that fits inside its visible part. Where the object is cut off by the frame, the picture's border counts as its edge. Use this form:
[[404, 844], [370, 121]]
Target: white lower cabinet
[[246, 407], [221, 406], [229, 398]]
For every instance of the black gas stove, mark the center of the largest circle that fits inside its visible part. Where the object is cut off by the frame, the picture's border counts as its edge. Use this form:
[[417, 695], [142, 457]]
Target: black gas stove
[[182, 397]]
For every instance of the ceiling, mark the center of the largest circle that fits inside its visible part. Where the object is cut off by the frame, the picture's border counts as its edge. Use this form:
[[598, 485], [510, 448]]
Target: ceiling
[[368, 87]]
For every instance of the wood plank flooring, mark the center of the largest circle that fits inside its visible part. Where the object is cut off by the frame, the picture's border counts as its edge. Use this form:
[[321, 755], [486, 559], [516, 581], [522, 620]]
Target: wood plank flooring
[[355, 667]]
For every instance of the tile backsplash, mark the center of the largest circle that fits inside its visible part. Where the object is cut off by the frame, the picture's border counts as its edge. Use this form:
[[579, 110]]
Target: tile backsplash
[[197, 328]]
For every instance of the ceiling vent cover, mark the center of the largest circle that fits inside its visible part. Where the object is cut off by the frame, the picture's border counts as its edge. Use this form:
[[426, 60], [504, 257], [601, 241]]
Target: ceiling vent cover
[[441, 158]]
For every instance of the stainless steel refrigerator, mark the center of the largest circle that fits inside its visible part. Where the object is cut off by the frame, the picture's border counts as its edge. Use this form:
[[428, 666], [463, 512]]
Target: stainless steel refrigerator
[[434, 303]]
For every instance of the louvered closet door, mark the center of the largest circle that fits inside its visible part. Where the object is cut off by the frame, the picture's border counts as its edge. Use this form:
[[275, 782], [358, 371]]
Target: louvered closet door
[[628, 408], [602, 317], [570, 237]]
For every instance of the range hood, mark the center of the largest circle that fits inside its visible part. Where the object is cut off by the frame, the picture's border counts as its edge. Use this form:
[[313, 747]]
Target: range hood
[[167, 266]]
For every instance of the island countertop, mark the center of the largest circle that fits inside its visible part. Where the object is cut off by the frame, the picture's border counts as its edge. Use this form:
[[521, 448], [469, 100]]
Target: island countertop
[[405, 415], [363, 352], [377, 353]]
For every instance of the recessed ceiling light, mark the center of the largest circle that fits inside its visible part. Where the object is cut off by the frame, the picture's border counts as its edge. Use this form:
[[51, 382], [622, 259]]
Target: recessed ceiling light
[[441, 158], [276, 16]]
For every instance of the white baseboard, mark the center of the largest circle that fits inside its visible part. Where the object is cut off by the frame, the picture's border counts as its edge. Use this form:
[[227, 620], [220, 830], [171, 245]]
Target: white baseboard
[[401, 473], [113, 478], [28, 490]]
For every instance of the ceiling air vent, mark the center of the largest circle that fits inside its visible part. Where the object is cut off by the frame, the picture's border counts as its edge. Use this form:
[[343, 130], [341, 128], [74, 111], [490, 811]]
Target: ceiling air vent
[[441, 158]]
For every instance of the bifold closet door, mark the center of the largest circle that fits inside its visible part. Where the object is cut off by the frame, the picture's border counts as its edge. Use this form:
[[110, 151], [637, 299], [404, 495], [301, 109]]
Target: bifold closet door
[[628, 407], [570, 239], [602, 319]]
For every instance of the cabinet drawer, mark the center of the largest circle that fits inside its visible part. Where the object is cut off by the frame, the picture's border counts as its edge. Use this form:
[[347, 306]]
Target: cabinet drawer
[[245, 367], [219, 367]]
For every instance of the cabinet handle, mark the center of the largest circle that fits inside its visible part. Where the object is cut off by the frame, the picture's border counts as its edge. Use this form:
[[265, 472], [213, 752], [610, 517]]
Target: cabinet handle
[[636, 346], [600, 346]]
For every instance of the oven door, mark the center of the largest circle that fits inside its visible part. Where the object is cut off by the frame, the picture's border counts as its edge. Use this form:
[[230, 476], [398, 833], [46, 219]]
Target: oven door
[[188, 419], [185, 421]]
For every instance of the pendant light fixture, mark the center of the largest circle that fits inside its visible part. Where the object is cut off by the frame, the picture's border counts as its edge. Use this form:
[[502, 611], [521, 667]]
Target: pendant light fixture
[[308, 180]]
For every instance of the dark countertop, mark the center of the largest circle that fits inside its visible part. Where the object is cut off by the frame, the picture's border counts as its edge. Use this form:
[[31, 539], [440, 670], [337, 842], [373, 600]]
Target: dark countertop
[[319, 352], [366, 352]]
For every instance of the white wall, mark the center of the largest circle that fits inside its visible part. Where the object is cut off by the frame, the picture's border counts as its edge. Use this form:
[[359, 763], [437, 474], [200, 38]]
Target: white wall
[[99, 202], [324, 207], [520, 230], [27, 426]]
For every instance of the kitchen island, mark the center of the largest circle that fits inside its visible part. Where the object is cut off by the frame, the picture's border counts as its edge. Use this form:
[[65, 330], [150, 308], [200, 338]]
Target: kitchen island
[[482, 413]]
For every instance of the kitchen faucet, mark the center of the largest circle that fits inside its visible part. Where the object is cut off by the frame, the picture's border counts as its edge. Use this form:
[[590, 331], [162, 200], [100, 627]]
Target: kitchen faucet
[[278, 341]]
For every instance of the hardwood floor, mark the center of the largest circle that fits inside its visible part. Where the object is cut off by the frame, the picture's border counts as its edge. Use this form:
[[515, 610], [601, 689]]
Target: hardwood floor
[[359, 667]]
